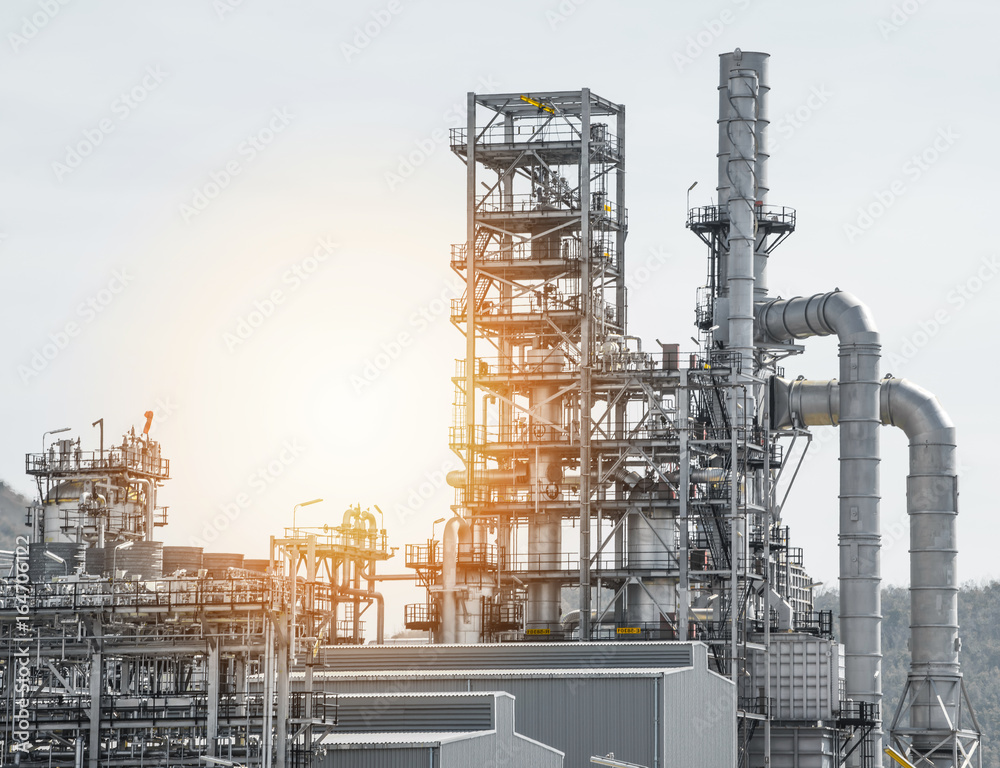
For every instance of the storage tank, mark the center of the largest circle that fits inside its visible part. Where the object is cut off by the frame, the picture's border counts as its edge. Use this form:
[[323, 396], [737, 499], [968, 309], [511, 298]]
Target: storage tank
[[187, 559], [95, 559], [218, 563], [143, 560], [255, 564], [43, 569]]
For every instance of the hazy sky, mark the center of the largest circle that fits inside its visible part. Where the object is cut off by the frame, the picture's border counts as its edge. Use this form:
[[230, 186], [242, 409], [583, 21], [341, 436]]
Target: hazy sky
[[170, 168]]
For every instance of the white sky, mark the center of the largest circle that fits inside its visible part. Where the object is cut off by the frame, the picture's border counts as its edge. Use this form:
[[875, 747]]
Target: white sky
[[895, 76]]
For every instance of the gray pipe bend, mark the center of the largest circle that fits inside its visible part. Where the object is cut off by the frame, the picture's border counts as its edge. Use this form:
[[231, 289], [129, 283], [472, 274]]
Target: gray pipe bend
[[843, 314], [822, 314], [932, 506]]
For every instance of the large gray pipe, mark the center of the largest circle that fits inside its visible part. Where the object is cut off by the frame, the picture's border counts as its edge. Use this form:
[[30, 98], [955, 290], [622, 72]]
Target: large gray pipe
[[758, 62], [842, 314], [456, 531], [932, 505], [742, 228]]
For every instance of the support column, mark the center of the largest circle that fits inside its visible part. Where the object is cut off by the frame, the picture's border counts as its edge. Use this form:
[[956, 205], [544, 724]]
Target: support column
[[212, 691], [586, 342]]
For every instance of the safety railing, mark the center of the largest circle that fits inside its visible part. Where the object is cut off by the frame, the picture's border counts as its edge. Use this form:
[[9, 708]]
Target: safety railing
[[136, 595], [111, 459], [422, 616], [709, 215], [542, 129]]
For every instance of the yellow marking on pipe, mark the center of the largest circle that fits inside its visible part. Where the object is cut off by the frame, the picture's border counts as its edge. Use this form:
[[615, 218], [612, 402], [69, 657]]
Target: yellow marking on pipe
[[537, 103], [898, 757]]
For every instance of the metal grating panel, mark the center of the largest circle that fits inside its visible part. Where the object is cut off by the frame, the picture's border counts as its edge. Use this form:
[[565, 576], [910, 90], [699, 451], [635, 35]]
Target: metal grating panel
[[650, 655]]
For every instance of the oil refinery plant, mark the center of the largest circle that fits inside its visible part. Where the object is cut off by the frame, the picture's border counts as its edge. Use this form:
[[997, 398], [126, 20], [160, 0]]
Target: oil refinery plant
[[618, 583]]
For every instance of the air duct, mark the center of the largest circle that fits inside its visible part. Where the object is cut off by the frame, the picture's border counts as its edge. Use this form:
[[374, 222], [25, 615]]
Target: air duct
[[842, 314], [930, 712]]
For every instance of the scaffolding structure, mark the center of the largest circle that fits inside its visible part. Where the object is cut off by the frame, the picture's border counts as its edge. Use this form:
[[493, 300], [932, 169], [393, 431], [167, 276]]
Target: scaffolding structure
[[607, 492], [106, 659]]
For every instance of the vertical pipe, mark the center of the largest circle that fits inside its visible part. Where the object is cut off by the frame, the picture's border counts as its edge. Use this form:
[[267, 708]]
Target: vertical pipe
[[96, 680], [212, 694], [742, 230], [684, 490], [860, 539], [281, 716], [586, 331], [470, 301]]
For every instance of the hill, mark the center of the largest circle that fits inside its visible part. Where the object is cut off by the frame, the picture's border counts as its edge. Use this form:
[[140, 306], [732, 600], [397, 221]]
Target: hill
[[979, 616], [12, 515]]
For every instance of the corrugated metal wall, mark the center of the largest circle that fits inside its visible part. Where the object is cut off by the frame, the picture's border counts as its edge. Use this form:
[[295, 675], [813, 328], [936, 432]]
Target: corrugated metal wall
[[699, 720], [585, 716], [496, 752], [384, 757]]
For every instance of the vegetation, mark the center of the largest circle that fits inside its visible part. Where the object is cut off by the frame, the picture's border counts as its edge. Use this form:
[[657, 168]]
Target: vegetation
[[979, 618]]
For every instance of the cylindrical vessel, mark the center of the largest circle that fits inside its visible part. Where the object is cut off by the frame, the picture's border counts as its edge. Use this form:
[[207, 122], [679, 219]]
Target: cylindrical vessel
[[651, 545], [188, 559], [42, 568], [545, 528], [218, 563], [256, 564], [143, 560], [95, 561]]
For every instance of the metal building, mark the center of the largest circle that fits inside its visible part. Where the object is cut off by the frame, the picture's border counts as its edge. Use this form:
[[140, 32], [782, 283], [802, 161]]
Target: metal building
[[443, 730], [655, 703]]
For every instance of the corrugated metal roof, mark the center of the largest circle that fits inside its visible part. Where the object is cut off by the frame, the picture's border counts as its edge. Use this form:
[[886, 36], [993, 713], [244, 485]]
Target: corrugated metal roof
[[500, 674], [378, 714], [429, 739], [498, 656]]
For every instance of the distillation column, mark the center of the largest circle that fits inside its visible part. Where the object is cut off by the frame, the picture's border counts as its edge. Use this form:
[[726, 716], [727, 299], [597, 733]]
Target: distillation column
[[545, 526]]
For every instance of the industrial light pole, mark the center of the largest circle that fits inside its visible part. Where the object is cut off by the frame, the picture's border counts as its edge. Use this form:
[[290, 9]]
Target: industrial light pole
[[53, 432], [296, 509], [56, 559]]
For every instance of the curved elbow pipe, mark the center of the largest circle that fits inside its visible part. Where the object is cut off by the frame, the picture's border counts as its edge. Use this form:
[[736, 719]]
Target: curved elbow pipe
[[823, 314], [931, 504], [456, 532]]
